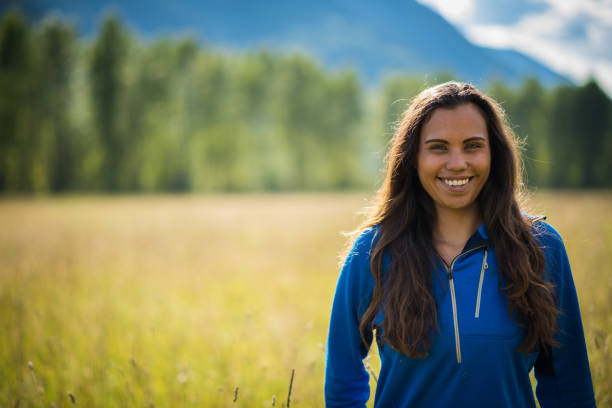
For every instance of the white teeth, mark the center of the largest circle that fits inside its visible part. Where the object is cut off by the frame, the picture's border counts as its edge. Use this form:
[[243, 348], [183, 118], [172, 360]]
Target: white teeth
[[456, 182]]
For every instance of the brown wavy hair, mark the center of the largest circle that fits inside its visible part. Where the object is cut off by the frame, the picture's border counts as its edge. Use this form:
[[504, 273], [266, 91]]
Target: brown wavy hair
[[405, 216]]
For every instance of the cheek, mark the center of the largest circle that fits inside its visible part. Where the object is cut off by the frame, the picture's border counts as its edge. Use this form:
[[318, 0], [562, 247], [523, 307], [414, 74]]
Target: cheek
[[484, 168], [428, 163], [426, 171], [483, 161], [485, 164]]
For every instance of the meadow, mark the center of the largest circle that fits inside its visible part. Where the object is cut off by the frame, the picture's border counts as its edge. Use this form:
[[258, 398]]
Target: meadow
[[173, 301]]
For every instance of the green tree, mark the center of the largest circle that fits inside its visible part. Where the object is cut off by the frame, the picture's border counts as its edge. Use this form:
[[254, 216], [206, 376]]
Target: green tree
[[592, 125], [16, 115], [566, 157], [107, 84], [529, 117], [215, 148], [160, 119], [56, 53], [579, 137], [299, 105], [342, 116], [255, 86]]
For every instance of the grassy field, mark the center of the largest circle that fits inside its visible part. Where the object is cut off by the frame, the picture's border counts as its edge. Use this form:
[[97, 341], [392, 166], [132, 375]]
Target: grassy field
[[177, 301]]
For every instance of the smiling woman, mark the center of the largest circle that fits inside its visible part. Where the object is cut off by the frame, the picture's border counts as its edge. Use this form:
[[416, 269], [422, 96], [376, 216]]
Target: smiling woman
[[466, 294], [454, 157]]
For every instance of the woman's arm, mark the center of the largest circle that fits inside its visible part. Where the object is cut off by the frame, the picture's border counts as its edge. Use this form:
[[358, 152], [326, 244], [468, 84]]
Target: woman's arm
[[346, 379], [563, 374]]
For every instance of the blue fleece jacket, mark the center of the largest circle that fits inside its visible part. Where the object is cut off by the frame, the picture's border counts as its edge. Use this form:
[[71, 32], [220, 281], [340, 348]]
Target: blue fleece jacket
[[473, 361]]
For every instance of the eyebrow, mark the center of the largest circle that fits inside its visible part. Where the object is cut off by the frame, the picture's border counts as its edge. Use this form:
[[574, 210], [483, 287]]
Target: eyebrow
[[475, 138], [471, 139]]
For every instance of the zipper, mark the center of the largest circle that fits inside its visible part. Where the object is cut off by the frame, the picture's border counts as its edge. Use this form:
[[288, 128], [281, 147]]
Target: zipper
[[485, 265], [455, 323], [449, 270]]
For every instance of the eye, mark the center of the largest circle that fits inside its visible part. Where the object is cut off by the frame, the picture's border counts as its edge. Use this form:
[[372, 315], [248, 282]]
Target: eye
[[473, 145], [438, 147]]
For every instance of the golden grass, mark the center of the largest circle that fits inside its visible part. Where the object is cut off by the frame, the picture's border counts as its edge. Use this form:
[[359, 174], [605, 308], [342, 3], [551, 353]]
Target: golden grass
[[176, 301]]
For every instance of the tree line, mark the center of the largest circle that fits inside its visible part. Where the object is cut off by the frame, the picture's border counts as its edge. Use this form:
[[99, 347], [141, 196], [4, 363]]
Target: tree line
[[113, 113]]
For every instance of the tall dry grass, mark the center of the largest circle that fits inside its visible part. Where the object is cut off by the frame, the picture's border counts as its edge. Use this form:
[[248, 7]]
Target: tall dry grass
[[182, 301]]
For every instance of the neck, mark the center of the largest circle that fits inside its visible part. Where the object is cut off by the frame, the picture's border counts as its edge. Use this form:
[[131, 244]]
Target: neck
[[456, 227]]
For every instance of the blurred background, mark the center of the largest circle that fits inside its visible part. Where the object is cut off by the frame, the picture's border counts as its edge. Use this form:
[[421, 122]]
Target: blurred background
[[275, 117], [241, 96]]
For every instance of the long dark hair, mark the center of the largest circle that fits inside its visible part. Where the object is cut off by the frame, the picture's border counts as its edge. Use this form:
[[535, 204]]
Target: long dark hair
[[405, 216]]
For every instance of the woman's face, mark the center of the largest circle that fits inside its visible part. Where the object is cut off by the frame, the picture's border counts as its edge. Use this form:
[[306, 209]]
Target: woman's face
[[454, 157]]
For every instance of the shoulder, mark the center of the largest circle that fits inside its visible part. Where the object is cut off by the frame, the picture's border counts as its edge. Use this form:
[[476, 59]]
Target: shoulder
[[356, 279], [547, 236], [365, 241], [356, 265], [557, 263]]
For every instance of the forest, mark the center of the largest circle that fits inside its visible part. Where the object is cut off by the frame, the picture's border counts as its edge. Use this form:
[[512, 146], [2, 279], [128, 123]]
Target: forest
[[118, 113]]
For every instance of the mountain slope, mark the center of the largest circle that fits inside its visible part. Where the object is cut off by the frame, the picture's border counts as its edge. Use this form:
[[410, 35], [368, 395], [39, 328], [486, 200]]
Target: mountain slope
[[375, 38]]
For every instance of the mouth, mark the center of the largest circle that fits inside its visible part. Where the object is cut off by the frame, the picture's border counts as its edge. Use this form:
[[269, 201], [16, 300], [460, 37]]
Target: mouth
[[456, 183]]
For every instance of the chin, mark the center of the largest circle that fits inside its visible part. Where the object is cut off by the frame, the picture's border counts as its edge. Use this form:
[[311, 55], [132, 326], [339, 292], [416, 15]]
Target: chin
[[459, 206]]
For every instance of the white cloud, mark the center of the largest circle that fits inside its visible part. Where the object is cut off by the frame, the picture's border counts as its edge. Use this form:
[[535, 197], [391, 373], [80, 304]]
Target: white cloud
[[598, 9], [452, 10], [573, 37], [553, 53]]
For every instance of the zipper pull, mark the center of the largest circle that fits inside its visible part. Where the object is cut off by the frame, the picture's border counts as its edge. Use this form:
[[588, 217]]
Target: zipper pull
[[450, 275]]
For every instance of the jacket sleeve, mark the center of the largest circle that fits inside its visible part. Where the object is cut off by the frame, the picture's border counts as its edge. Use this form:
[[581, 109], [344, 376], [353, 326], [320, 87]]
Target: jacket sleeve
[[346, 379], [562, 373]]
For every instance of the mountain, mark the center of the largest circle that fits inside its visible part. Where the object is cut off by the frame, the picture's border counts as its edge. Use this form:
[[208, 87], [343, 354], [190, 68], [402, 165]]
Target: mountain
[[375, 38]]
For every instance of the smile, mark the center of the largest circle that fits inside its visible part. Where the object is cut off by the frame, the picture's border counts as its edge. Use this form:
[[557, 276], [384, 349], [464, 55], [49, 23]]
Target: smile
[[456, 182]]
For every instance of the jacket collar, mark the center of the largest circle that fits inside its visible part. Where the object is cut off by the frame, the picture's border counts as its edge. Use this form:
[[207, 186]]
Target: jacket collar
[[482, 230], [480, 237]]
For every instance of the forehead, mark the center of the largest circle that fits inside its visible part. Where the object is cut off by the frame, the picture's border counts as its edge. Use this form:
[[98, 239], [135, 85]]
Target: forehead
[[462, 121]]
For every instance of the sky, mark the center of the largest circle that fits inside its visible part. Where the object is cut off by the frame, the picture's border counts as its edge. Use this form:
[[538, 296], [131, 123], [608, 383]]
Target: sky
[[573, 37]]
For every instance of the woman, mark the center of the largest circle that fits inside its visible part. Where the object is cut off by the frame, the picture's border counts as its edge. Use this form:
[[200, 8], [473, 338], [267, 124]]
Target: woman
[[466, 294]]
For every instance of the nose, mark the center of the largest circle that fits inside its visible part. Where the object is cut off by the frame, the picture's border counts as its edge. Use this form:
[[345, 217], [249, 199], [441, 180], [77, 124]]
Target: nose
[[456, 161]]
